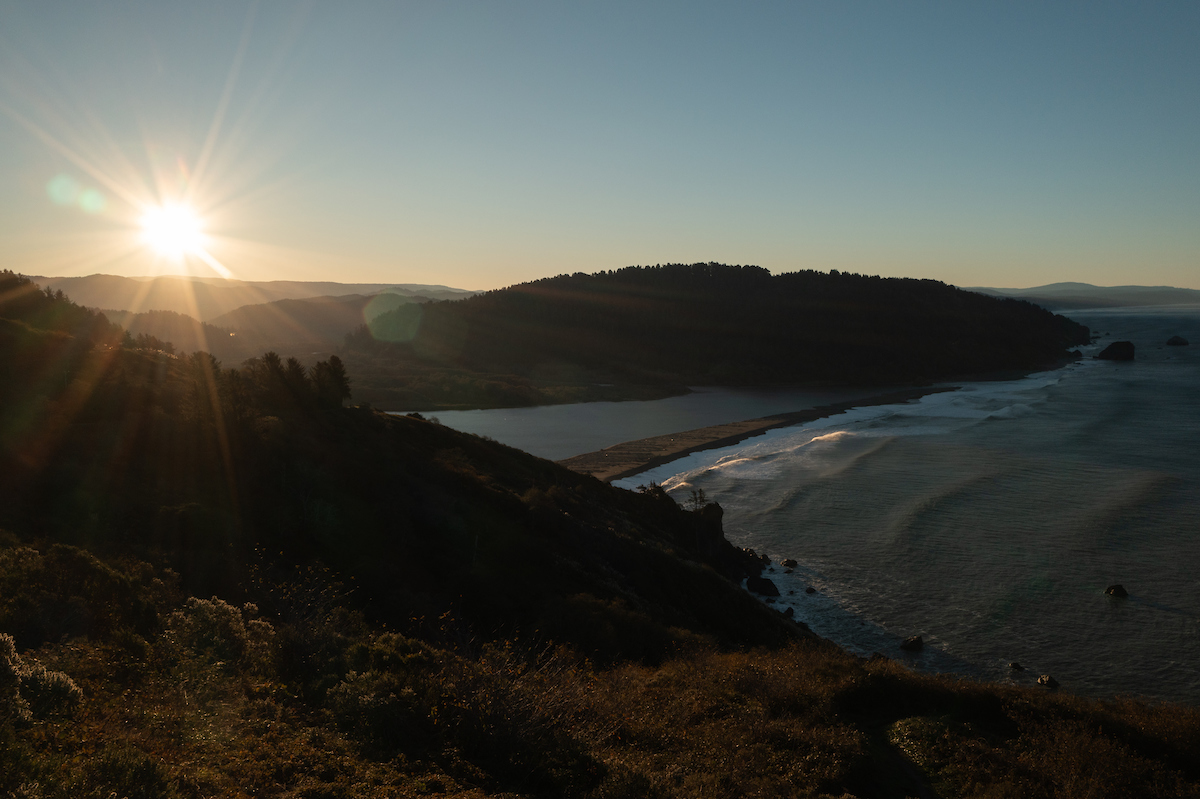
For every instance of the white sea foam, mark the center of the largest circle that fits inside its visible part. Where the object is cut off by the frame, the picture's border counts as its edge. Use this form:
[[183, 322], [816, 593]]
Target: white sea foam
[[933, 414]]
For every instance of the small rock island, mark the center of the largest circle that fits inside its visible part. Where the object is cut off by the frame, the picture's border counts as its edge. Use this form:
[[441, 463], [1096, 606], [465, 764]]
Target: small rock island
[[1117, 351]]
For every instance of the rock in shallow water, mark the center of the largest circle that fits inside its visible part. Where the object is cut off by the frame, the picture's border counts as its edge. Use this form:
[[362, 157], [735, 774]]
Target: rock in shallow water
[[761, 586], [788, 563], [1047, 681], [914, 644], [1116, 590], [1117, 351], [1177, 341], [1015, 666]]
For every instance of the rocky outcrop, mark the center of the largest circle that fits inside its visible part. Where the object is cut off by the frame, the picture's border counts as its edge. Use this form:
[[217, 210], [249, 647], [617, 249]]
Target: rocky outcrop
[[1116, 590], [1177, 341], [761, 586], [1015, 666], [788, 563], [1117, 351], [1047, 681], [914, 644]]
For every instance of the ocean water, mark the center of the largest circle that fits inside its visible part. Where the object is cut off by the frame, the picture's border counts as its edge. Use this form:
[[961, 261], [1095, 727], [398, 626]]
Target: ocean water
[[991, 519]]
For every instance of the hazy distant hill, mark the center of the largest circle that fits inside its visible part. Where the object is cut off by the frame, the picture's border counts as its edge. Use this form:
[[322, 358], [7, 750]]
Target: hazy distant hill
[[186, 333], [207, 298], [711, 324], [317, 323], [1068, 296], [290, 327]]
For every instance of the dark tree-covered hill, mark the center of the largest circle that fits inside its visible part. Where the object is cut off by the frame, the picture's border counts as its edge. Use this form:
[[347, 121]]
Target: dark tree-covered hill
[[717, 324]]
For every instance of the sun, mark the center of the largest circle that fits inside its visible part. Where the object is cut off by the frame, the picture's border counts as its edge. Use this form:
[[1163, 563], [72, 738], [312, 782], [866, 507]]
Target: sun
[[174, 231]]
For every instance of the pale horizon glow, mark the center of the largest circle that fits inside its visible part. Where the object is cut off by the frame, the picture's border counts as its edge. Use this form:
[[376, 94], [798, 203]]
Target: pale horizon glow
[[478, 145]]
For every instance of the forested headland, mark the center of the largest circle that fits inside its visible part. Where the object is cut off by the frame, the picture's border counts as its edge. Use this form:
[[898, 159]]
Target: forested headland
[[663, 327], [219, 581]]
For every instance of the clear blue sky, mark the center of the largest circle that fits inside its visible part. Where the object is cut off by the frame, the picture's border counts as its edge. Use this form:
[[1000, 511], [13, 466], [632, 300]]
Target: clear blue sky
[[482, 144]]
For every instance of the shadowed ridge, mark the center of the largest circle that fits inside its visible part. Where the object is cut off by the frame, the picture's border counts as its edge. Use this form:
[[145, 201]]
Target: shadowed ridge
[[712, 324]]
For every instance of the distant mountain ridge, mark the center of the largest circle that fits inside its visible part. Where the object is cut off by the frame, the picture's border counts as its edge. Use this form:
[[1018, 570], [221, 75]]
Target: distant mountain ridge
[[1073, 296], [312, 323], [298, 327], [206, 299]]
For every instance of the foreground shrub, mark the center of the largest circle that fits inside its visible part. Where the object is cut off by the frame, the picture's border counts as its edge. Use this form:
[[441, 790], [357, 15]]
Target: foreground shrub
[[66, 592], [391, 693], [213, 631], [30, 691], [128, 774]]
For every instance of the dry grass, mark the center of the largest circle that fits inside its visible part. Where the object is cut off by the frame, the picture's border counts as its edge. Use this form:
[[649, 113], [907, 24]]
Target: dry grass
[[212, 700]]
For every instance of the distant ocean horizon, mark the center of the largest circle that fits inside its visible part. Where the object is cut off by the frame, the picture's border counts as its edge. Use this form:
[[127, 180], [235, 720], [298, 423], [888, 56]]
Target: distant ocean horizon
[[990, 520]]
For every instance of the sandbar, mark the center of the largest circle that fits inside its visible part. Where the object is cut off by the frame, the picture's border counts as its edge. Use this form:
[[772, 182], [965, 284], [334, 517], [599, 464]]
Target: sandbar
[[631, 457]]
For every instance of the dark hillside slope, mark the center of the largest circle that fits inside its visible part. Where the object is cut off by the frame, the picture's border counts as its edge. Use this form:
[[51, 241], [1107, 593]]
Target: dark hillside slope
[[717, 324], [44, 341], [181, 462]]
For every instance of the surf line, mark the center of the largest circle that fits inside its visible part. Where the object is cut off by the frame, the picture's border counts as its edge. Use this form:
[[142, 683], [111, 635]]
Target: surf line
[[632, 457]]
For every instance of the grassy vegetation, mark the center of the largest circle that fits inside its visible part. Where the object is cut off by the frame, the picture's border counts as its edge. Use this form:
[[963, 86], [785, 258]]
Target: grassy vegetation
[[219, 582], [309, 699]]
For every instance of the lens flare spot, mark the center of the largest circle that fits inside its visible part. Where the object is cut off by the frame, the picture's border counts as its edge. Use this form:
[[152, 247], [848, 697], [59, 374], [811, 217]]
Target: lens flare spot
[[66, 191], [92, 201], [62, 190], [173, 231]]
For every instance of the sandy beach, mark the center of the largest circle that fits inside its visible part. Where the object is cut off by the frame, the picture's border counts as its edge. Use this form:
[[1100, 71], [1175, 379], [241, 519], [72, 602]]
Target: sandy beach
[[631, 457]]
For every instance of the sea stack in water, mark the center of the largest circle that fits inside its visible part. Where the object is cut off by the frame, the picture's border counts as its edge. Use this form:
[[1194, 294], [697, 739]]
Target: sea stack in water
[[1117, 351], [914, 644], [1177, 341], [1116, 590], [761, 586]]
